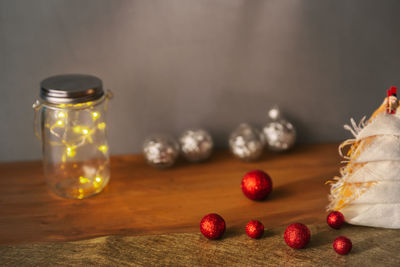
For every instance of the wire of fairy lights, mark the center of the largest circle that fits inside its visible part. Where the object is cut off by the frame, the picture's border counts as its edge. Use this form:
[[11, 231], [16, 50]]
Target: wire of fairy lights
[[84, 133]]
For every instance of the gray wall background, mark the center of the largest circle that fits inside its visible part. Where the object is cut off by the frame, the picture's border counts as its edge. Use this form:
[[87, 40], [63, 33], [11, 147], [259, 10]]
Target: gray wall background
[[200, 63]]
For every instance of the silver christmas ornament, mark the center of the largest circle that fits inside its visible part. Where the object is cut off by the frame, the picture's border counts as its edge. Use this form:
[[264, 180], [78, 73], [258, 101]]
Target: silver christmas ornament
[[196, 145], [246, 142], [274, 113], [280, 134], [160, 151]]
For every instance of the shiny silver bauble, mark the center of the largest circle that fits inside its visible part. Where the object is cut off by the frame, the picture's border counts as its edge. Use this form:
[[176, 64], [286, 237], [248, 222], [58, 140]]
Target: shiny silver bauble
[[246, 142], [160, 151], [196, 145], [280, 134]]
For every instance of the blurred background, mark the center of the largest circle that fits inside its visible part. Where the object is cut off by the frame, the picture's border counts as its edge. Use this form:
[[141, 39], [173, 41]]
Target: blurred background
[[178, 64]]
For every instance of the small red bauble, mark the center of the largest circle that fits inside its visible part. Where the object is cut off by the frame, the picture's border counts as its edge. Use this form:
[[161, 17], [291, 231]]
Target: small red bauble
[[256, 185], [342, 245], [255, 229], [297, 235], [335, 219], [212, 226]]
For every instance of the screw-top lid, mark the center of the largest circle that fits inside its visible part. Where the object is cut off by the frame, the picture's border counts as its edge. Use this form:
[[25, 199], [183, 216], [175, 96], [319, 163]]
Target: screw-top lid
[[71, 89]]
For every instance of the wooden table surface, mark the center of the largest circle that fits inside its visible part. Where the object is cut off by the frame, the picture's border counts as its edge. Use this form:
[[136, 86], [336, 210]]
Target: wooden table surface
[[146, 202], [141, 200]]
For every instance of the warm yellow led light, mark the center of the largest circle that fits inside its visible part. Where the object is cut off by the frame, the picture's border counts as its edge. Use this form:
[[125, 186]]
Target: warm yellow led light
[[61, 115], [95, 115], [85, 131], [101, 126], [97, 182], [103, 148], [77, 129], [70, 152], [60, 123], [81, 193], [83, 180]]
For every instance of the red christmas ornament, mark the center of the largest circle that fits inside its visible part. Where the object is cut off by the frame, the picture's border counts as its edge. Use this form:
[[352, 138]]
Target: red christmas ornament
[[212, 226], [256, 185], [342, 245], [255, 229], [391, 92], [297, 235], [335, 219]]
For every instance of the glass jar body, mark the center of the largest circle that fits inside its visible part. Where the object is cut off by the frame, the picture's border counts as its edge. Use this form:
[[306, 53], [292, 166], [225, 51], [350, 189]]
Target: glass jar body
[[75, 151]]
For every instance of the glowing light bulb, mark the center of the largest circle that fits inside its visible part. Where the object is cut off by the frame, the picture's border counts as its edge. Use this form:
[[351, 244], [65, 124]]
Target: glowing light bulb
[[81, 193], [70, 152], [95, 115], [85, 131], [97, 182], [60, 123], [103, 148], [101, 126], [61, 115], [83, 180]]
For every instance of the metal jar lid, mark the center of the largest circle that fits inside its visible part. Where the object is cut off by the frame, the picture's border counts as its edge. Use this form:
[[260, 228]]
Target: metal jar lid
[[71, 89]]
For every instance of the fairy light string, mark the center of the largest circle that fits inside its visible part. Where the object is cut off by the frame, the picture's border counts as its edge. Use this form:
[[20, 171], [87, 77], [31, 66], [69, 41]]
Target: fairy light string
[[59, 124]]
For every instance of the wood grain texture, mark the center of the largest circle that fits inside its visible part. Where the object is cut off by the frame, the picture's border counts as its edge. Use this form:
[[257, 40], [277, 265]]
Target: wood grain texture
[[371, 247], [140, 200]]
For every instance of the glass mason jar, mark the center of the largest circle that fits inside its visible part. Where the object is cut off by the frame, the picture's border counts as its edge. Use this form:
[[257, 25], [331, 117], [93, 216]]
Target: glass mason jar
[[71, 116]]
